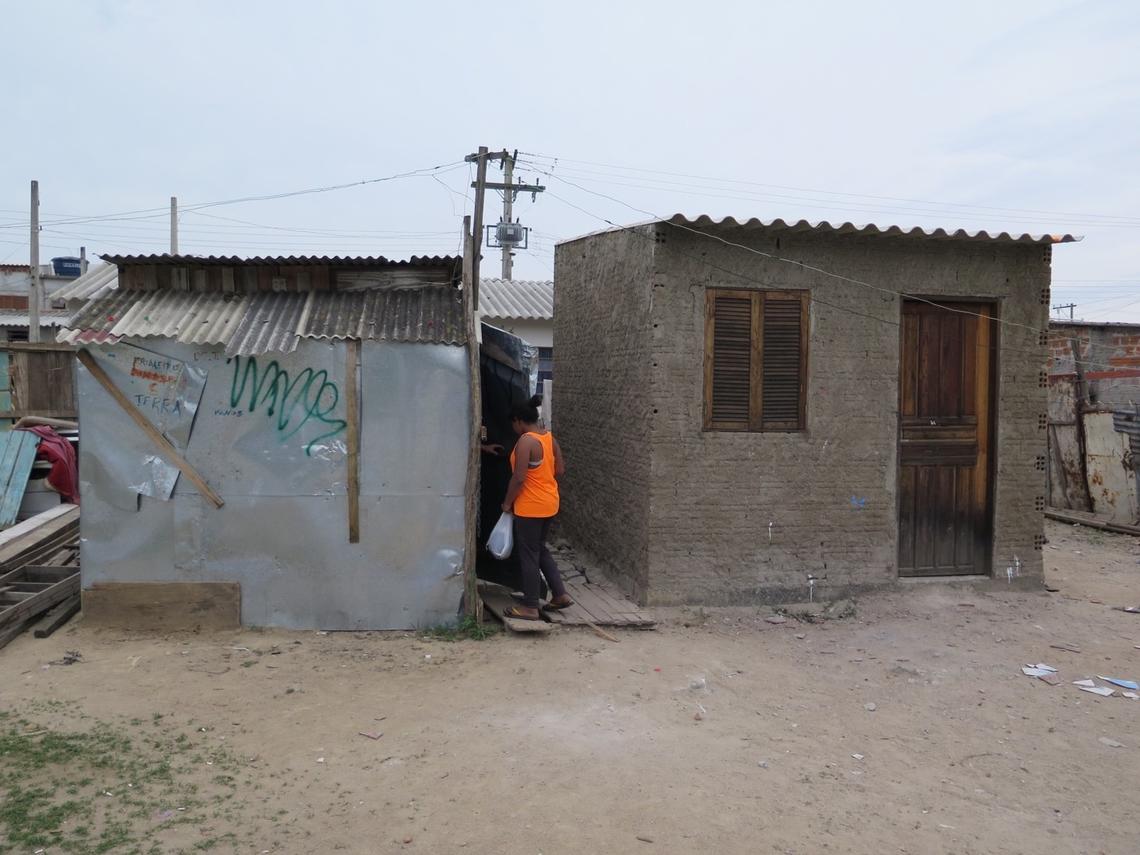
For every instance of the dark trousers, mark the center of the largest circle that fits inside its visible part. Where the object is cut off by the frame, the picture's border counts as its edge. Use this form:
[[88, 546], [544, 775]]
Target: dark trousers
[[530, 544]]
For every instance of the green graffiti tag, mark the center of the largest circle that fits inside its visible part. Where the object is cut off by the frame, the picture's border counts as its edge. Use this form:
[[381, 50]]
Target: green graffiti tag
[[292, 402]]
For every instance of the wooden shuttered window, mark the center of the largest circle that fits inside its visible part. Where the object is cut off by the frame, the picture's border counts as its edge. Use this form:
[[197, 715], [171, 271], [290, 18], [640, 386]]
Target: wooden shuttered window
[[755, 360]]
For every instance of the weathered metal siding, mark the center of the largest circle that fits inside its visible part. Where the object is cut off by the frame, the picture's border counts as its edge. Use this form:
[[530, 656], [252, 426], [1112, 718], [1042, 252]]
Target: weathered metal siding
[[1093, 370], [1112, 486], [283, 532]]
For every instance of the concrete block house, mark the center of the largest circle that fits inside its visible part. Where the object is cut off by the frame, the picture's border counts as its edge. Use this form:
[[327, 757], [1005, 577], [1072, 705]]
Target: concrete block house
[[760, 411]]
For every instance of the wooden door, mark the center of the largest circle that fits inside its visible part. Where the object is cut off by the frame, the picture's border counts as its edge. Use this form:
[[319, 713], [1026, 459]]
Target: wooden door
[[945, 420]]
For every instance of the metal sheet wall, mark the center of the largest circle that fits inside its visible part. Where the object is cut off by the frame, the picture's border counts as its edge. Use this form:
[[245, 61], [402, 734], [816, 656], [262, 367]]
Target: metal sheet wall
[[269, 437]]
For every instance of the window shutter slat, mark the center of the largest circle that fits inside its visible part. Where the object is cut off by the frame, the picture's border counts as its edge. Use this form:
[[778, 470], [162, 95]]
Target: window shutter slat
[[732, 359], [782, 363]]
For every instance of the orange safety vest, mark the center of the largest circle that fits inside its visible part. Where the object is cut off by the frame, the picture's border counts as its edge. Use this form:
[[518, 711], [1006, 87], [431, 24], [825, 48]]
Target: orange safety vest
[[539, 494]]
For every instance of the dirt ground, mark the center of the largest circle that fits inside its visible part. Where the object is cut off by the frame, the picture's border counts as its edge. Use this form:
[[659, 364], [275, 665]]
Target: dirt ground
[[718, 732]]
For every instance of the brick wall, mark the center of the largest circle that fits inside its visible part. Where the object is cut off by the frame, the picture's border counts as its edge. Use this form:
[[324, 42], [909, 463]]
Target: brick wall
[[1110, 358], [744, 517], [602, 362]]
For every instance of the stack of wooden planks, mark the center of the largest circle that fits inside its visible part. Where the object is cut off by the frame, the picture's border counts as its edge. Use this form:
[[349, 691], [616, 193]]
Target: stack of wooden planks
[[39, 573]]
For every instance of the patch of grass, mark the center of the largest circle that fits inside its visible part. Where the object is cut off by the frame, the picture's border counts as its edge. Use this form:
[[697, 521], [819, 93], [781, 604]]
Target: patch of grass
[[95, 789], [467, 628]]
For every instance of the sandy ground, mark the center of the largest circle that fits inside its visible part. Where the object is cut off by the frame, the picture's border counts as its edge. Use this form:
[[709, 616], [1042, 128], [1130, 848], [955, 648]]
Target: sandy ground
[[718, 732]]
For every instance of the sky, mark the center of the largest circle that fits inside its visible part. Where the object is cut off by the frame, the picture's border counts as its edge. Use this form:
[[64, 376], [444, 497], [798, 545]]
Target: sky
[[1014, 116]]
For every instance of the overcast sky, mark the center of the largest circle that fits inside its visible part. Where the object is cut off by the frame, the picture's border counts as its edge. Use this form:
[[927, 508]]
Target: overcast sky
[[999, 115]]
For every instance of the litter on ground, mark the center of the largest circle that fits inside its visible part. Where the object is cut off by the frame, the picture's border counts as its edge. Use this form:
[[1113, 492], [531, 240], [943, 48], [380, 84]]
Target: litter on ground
[[1124, 684], [1103, 691]]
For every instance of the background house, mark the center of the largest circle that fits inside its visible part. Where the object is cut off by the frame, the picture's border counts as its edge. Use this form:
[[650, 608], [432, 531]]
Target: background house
[[1094, 371], [525, 309], [247, 367], [735, 424], [15, 281]]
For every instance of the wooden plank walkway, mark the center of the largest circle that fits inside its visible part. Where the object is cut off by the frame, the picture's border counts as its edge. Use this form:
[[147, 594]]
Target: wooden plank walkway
[[498, 599], [596, 602]]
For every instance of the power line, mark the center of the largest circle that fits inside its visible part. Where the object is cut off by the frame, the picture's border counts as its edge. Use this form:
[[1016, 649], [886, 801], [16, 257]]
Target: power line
[[151, 213], [703, 191], [1039, 353], [556, 160], [773, 257]]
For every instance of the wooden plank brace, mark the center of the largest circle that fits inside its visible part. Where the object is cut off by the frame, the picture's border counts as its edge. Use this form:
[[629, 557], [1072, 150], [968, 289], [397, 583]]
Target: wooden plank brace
[[352, 348], [162, 443]]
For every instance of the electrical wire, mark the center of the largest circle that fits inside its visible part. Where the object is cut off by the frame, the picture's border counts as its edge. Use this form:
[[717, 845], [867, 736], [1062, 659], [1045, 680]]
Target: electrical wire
[[1039, 352], [151, 213], [832, 205], [964, 206]]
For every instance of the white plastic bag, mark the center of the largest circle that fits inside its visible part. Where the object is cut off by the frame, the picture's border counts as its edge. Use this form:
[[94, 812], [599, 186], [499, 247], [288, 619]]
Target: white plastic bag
[[502, 539]]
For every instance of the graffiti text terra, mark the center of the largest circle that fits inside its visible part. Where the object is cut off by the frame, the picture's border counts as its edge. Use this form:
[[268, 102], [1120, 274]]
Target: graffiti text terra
[[290, 401]]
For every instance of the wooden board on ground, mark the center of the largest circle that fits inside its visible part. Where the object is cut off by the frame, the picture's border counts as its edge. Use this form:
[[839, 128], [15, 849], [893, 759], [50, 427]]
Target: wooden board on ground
[[163, 606], [596, 603], [28, 592], [498, 599], [57, 617], [1091, 520]]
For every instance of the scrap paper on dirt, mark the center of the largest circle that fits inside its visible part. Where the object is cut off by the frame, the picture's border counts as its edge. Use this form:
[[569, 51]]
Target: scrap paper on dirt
[[165, 390]]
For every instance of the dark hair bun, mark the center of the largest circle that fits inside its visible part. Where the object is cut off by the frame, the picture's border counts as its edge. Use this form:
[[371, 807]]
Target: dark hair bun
[[535, 401]]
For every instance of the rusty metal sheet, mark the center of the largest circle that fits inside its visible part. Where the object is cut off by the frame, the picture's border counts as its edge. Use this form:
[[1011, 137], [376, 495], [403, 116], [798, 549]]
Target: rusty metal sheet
[[1112, 486]]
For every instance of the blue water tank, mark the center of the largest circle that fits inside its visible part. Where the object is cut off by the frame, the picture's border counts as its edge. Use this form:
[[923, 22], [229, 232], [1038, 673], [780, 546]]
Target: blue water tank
[[67, 266]]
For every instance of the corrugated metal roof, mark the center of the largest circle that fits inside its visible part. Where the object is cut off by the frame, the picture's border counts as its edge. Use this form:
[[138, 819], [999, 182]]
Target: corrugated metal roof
[[20, 318], [189, 317], [428, 315], [248, 325], [96, 282], [516, 299], [270, 323], [704, 221], [286, 260]]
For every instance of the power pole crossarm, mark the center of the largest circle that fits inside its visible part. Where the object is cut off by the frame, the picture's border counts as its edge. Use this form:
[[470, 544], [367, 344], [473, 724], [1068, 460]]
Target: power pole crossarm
[[518, 188]]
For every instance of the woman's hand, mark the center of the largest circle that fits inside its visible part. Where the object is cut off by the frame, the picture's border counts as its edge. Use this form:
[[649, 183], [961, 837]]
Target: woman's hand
[[507, 507], [494, 449]]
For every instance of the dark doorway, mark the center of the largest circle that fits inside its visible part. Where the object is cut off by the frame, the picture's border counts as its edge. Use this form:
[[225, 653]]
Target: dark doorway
[[946, 385]]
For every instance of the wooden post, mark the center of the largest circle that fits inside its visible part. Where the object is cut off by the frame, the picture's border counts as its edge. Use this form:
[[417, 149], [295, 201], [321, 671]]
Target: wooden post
[[163, 444], [477, 234], [1081, 406], [34, 268], [473, 604], [174, 225], [352, 347]]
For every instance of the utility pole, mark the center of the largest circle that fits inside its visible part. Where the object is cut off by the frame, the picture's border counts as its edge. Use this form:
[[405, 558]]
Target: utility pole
[[174, 225], [480, 186], [509, 188], [1069, 306], [508, 207], [34, 264], [82, 260]]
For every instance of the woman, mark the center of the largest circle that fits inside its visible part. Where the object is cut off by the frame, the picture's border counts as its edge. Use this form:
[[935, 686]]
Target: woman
[[532, 497]]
